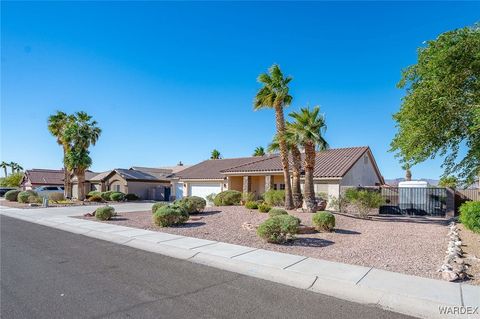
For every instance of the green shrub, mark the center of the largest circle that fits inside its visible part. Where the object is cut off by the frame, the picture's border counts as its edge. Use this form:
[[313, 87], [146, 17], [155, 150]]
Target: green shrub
[[105, 212], [277, 211], [96, 198], [264, 208], [131, 197], [170, 215], [117, 196], [228, 198], [211, 198], [470, 215], [106, 195], [248, 197], [158, 205], [32, 199], [274, 197], [363, 200], [94, 193], [12, 195], [23, 196], [278, 229], [192, 204], [251, 205], [12, 180], [56, 197], [323, 221]]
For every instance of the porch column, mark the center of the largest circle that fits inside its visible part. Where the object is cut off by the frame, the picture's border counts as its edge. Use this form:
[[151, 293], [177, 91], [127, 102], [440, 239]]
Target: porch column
[[246, 184], [268, 182]]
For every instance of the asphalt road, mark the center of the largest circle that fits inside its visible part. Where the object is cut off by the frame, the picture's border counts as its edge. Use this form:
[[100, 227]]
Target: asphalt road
[[48, 273]]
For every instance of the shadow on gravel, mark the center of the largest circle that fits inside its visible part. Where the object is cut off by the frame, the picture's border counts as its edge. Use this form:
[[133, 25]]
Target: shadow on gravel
[[400, 219], [346, 232], [311, 242], [191, 225]]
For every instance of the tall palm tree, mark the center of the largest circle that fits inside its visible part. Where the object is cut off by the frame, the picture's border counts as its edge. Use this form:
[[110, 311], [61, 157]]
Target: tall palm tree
[[292, 145], [4, 165], [12, 167], [274, 94], [16, 167], [57, 124], [259, 151], [80, 134], [408, 174], [309, 127], [215, 155]]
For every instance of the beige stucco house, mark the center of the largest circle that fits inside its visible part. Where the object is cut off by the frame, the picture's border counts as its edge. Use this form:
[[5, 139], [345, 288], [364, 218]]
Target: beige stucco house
[[352, 166]]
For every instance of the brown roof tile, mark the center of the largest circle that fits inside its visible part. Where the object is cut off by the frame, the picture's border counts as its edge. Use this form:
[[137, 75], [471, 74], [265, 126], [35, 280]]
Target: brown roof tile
[[44, 176], [329, 163]]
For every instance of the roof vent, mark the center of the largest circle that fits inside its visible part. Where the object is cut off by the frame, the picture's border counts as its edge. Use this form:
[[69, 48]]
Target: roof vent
[[180, 163]]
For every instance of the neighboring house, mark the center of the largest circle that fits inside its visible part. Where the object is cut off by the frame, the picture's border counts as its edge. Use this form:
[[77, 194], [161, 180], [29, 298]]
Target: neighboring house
[[352, 166], [42, 177], [145, 182]]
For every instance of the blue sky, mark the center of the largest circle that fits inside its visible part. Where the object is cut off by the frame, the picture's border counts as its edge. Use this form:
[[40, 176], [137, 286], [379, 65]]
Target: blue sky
[[171, 81]]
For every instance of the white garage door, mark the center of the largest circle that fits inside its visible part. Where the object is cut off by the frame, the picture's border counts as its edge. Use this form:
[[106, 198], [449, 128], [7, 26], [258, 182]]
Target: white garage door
[[204, 189]]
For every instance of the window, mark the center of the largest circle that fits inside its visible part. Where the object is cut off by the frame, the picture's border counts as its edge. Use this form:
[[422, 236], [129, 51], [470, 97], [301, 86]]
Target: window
[[275, 186], [282, 186], [51, 188], [117, 188]]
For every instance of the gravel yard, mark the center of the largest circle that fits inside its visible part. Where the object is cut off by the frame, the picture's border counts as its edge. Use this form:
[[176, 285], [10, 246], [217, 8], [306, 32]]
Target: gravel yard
[[471, 250], [411, 245]]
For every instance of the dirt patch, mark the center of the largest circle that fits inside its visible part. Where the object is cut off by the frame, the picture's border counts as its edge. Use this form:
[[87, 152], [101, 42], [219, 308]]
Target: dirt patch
[[471, 250], [409, 245]]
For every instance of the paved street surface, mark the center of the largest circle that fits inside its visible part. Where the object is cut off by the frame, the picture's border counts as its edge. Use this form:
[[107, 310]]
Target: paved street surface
[[48, 273]]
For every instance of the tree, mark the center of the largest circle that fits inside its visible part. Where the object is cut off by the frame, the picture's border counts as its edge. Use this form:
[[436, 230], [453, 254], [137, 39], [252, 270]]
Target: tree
[[16, 167], [4, 165], [309, 127], [259, 151], [12, 167], [448, 181], [408, 174], [80, 134], [215, 155], [293, 148], [12, 180], [274, 93], [57, 124], [440, 113]]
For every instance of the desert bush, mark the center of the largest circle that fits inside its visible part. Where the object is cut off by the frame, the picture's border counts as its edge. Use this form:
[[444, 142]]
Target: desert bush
[[211, 198], [277, 211], [131, 197], [278, 229], [170, 215], [264, 208], [105, 212], [192, 204], [228, 198], [12, 180], [251, 205], [56, 197], [117, 196], [323, 221], [94, 193], [32, 199], [274, 197], [470, 215], [23, 196], [158, 205], [248, 197], [106, 195], [363, 200], [96, 198], [12, 195]]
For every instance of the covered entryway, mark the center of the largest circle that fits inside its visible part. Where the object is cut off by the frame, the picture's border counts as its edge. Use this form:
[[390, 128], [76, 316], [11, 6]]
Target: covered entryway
[[204, 189]]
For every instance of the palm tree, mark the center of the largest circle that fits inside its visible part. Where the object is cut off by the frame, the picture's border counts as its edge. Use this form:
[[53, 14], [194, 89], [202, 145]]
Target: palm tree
[[12, 167], [4, 165], [57, 124], [16, 167], [80, 134], [274, 94], [215, 155], [259, 151], [292, 145], [309, 127]]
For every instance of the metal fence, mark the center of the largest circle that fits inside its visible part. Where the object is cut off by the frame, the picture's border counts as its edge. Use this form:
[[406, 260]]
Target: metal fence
[[431, 201]]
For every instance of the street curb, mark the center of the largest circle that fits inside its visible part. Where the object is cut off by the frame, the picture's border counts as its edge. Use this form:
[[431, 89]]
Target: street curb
[[364, 291]]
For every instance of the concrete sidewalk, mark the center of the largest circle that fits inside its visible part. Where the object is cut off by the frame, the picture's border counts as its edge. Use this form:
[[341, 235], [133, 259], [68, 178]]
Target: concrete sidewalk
[[411, 295]]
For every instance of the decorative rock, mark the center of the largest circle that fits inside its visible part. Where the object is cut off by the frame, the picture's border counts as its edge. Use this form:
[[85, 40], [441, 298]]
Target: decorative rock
[[453, 267], [306, 229], [248, 226], [449, 275]]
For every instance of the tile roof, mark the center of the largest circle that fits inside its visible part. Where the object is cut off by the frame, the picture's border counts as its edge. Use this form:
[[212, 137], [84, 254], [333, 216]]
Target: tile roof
[[45, 176], [329, 163], [211, 169]]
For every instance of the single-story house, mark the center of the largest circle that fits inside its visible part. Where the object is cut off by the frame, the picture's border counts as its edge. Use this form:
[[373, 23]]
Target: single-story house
[[145, 182], [352, 166], [42, 177]]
